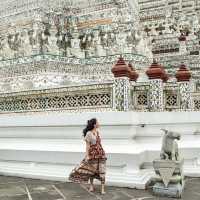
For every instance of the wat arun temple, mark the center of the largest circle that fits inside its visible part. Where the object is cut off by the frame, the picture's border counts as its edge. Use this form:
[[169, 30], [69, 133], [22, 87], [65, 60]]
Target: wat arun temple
[[133, 64], [51, 44]]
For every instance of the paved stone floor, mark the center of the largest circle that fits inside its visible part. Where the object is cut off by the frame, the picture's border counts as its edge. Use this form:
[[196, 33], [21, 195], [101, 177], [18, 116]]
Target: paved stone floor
[[12, 188]]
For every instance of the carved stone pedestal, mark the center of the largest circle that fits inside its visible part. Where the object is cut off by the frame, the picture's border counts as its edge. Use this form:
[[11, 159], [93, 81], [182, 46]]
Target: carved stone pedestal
[[173, 190], [169, 180]]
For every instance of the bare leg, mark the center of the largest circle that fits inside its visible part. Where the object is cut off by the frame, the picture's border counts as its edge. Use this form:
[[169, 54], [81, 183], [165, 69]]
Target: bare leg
[[103, 187], [91, 189]]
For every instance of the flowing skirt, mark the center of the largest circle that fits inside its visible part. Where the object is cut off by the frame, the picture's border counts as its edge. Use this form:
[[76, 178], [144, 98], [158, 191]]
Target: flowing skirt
[[94, 168]]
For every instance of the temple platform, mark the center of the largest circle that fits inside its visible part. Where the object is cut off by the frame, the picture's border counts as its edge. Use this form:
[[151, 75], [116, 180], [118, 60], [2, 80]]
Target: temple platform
[[48, 145]]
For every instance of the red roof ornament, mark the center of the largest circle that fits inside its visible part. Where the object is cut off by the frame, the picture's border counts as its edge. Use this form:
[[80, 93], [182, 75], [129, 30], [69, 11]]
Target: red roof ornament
[[134, 75], [183, 73], [121, 69], [157, 71]]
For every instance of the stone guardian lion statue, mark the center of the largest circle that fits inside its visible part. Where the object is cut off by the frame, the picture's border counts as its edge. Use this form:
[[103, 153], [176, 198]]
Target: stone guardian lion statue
[[169, 149]]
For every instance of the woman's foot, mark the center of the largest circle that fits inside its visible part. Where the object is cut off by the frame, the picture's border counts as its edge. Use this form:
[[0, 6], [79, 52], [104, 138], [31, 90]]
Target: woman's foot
[[91, 189], [103, 192]]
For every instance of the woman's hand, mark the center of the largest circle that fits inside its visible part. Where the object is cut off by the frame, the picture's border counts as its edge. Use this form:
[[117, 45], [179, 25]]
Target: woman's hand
[[87, 157]]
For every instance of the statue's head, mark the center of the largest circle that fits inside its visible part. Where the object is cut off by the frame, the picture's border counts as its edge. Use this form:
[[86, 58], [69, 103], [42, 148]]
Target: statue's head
[[175, 135], [172, 134]]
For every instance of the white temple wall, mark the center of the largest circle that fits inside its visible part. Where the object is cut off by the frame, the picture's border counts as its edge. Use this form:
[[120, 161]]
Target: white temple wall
[[48, 146]]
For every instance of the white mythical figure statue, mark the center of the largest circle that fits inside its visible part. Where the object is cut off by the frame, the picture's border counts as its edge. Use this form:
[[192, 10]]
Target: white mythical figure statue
[[11, 43], [26, 48], [130, 41], [153, 32], [144, 45], [169, 149], [194, 26], [104, 42], [169, 179], [8, 52], [66, 45], [99, 50], [18, 44], [121, 40], [59, 44], [34, 39], [90, 46], [44, 43], [75, 45], [53, 44], [2, 52], [111, 44], [167, 27]]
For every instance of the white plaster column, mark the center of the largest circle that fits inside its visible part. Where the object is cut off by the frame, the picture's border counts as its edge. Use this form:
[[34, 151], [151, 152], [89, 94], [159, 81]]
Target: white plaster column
[[156, 95], [121, 89], [157, 75], [133, 78], [183, 76]]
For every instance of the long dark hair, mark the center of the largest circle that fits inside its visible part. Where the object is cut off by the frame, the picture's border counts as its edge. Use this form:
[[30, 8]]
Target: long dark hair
[[90, 125]]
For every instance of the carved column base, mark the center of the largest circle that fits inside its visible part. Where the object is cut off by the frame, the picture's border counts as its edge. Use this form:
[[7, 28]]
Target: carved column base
[[169, 180], [173, 190]]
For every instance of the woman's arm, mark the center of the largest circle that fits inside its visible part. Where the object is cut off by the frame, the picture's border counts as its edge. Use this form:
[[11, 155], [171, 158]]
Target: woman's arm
[[87, 150]]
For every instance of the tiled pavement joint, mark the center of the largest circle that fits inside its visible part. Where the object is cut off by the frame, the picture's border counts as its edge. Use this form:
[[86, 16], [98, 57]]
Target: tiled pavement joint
[[28, 193], [85, 188], [59, 192]]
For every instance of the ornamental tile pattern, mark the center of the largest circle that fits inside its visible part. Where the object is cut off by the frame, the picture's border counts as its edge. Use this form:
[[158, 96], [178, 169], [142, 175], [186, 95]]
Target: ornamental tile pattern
[[73, 45], [89, 97], [122, 94], [156, 95], [185, 95]]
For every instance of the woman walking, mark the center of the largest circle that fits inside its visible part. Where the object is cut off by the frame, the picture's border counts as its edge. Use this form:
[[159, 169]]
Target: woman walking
[[94, 164]]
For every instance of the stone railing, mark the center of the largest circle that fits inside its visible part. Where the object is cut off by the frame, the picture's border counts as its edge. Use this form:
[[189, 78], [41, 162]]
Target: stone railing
[[141, 101], [140, 97], [94, 97], [111, 96], [171, 97]]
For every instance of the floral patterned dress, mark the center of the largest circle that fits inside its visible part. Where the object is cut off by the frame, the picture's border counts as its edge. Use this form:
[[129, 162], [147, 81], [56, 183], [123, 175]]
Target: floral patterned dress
[[95, 166]]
